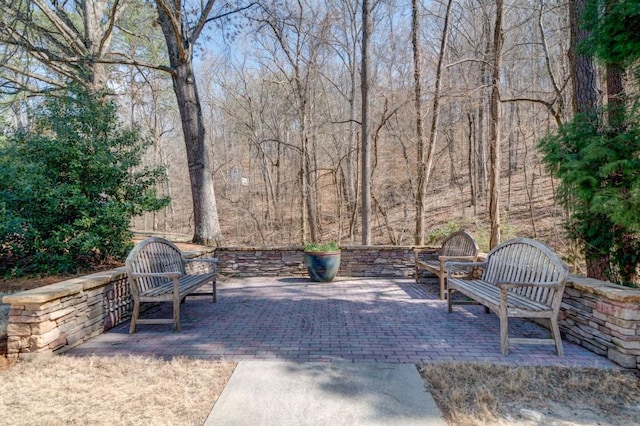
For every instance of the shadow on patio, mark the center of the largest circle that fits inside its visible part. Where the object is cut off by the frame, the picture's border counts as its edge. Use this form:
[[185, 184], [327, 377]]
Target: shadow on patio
[[354, 320]]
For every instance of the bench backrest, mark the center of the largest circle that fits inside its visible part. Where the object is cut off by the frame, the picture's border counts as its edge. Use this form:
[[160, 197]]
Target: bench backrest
[[153, 255], [459, 244], [523, 260]]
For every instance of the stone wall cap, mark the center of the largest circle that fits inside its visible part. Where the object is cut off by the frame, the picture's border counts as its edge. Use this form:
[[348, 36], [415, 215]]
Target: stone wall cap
[[44, 294], [190, 254], [616, 292], [64, 288]]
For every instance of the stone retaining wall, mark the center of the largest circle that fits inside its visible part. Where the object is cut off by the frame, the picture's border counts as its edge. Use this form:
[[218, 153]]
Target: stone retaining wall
[[63, 315], [60, 316], [602, 317], [355, 261]]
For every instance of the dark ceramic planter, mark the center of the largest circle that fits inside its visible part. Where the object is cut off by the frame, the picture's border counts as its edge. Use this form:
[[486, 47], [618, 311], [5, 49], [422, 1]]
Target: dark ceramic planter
[[322, 265]]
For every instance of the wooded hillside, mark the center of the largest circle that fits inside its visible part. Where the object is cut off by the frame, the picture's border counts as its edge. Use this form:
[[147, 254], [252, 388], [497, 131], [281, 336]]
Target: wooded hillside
[[288, 82]]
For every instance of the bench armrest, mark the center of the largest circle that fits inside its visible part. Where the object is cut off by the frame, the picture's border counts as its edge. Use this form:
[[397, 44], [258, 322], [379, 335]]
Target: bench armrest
[[462, 265], [418, 250], [450, 265], [464, 259]]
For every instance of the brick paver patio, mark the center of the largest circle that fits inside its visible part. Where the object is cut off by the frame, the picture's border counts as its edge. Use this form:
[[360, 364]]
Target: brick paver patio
[[355, 320]]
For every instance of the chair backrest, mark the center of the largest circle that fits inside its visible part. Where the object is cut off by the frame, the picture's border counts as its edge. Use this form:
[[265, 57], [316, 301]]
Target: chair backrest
[[523, 260], [459, 244], [153, 255]]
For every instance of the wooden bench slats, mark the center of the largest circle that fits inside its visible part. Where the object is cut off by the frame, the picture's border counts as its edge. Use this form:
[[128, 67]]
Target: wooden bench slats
[[520, 278], [490, 294], [155, 268], [435, 264], [186, 284], [458, 246]]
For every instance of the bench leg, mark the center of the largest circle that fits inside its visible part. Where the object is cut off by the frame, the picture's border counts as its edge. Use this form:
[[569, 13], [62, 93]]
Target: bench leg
[[504, 335], [555, 333], [176, 312], [214, 291], [449, 304], [442, 282], [504, 324], [134, 316]]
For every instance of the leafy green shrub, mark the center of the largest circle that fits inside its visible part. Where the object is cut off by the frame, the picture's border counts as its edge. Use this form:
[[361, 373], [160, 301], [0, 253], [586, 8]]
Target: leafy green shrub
[[69, 186], [330, 246]]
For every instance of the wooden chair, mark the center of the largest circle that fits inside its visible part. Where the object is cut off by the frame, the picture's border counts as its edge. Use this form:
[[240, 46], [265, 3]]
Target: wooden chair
[[157, 272], [459, 246]]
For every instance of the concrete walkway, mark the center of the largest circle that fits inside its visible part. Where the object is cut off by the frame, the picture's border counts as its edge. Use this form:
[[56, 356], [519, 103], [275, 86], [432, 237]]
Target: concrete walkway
[[280, 393], [340, 353]]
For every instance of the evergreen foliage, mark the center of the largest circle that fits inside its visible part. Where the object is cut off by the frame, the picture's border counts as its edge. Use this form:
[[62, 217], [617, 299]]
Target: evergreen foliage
[[598, 162], [69, 187], [615, 35], [599, 172]]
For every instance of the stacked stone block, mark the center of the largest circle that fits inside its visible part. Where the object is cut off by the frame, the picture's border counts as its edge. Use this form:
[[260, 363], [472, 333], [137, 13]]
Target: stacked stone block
[[64, 315], [355, 261], [604, 318]]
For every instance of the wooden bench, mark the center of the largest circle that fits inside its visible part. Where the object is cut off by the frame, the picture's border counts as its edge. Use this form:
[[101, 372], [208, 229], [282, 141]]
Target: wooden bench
[[521, 278], [157, 272], [458, 246]]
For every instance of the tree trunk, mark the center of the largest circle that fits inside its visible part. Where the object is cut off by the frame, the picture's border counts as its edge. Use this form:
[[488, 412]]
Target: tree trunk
[[615, 96], [426, 162], [366, 149], [205, 212], [352, 148], [494, 129], [583, 74], [421, 191], [585, 101]]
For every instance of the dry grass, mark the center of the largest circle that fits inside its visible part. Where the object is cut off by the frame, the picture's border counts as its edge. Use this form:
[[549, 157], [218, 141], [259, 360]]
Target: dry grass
[[483, 394], [114, 391], [135, 390]]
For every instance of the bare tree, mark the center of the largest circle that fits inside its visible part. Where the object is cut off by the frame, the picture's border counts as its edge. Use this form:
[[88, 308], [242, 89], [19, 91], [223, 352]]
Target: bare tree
[[300, 32], [346, 40], [494, 129], [366, 107], [421, 191], [181, 36], [425, 162], [64, 47]]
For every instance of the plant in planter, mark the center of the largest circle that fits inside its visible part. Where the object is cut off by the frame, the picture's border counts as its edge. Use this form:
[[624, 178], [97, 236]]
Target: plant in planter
[[322, 261]]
